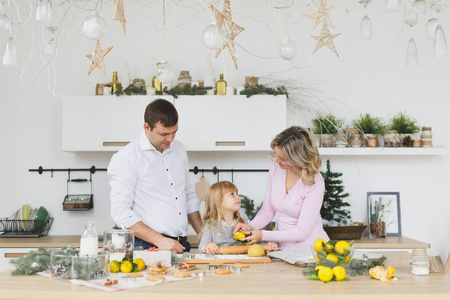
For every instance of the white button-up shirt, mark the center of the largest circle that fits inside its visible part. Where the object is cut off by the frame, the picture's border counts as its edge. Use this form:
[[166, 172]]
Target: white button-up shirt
[[152, 187]]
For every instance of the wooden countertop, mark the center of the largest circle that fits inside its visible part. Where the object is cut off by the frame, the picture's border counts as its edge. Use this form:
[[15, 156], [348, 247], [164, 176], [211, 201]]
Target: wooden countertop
[[261, 281], [391, 242]]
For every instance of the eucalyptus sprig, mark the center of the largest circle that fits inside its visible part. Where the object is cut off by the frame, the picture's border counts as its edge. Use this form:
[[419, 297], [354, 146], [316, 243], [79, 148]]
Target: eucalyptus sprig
[[261, 89], [131, 90], [185, 90]]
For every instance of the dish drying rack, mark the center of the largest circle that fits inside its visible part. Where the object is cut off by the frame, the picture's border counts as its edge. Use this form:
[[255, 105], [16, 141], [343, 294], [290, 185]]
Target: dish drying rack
[[16, 228]]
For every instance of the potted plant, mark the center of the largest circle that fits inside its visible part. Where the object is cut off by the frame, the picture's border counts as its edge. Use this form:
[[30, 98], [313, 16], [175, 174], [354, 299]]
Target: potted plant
[[377, 224], [335, 217], [326, 127], [405, 126], [371, 127], [249, 209]]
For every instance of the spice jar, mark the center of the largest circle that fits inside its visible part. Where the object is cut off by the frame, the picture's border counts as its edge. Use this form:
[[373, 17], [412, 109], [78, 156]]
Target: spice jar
[[420, 262], [427, 137], [356, 140]]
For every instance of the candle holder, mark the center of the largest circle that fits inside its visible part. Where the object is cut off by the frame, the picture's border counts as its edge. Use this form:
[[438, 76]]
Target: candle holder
[[90, 267], [119, 243]]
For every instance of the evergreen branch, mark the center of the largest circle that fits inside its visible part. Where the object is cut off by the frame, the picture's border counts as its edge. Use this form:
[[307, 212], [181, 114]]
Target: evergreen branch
[[261, 89]]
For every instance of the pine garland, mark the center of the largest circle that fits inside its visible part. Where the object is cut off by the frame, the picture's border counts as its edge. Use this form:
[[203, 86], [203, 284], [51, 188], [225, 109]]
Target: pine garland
[[332, 207], [261, 89], [186, 90], [131, 90]]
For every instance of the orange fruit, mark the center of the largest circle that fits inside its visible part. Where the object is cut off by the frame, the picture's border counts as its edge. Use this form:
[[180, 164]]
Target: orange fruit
[[380, 273]]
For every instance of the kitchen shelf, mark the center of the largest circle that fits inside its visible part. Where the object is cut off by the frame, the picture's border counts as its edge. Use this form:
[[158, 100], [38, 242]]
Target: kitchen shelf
[[332, 151]]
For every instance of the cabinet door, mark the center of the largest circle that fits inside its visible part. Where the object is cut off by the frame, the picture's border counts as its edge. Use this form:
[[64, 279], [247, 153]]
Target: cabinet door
[[224, 123], [102, 123], [6, 254]]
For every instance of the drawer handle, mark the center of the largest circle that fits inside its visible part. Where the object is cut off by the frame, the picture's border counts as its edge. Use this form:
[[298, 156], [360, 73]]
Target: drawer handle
[[14, 255], [231, 143], [115, 144]]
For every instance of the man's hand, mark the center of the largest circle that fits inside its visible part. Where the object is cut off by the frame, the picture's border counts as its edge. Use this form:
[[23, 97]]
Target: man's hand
[[170, 244], [211, 248]]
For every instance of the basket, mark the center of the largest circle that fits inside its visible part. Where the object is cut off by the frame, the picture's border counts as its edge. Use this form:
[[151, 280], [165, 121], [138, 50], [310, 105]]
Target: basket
[[78, 202], [16, 228], [345, 232]]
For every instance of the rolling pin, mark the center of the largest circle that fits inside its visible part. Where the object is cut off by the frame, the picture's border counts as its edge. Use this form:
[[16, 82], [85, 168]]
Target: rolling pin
[[237, 249]]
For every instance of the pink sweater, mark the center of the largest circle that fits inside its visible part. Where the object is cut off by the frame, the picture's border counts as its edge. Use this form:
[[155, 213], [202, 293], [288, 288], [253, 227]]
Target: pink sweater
[[299, 221]]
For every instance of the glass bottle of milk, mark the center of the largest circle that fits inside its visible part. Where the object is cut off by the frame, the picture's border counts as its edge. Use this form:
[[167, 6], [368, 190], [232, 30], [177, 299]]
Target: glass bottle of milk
[[89, 239]]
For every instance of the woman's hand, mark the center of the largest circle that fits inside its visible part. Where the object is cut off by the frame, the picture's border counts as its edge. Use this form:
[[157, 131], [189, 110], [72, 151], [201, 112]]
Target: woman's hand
[[272, 246], [253, 236], [211, 248], [242, 227]]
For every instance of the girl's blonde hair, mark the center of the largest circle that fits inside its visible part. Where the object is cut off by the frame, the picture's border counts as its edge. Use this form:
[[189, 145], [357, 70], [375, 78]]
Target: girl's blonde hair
[[213, 203], [300, 150]]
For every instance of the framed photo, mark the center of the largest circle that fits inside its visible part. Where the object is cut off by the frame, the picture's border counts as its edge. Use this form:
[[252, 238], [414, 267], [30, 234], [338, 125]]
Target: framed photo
[[390, 202]]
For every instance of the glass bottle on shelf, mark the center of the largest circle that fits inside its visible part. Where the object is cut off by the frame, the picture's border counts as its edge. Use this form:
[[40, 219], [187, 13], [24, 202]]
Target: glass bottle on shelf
[[221, 86], [114, 84], [89, 239], [156, 84]]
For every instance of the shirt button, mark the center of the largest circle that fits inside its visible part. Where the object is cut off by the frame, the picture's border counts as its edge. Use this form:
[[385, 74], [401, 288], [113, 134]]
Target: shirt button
[[167, 169], [176, 198], [171, 183], [179, 214]]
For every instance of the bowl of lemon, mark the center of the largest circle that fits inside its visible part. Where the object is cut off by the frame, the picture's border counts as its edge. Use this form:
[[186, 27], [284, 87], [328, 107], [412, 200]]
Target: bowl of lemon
[[338, 252]]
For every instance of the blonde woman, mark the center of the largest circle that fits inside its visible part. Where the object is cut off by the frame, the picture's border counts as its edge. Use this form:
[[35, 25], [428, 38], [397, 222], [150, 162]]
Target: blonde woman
[[221, 217], [294, 192]]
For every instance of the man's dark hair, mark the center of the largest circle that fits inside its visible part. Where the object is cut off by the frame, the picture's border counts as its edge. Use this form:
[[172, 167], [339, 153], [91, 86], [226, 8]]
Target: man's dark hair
[[161, 111]]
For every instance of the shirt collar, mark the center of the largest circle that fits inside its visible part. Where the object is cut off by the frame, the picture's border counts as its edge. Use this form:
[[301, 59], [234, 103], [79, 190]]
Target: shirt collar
[[146, 145]]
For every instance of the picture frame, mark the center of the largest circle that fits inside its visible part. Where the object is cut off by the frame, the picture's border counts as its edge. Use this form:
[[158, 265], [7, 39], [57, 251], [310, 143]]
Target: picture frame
[[392, 215]]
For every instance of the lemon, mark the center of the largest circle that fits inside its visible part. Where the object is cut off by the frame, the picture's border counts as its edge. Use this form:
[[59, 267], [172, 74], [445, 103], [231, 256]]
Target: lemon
[[325, 274], [339, 273], [318, 259], [319, 267], [318, 245], [332, 257], [329, 248], [256, 251], [114, 266], [347, 259], [140, 264], [239, 235], [126, 267], [341, 246]]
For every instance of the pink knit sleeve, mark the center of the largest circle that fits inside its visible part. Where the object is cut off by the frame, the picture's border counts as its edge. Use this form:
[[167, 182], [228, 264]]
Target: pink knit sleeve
[[307, 221], [266, 213]]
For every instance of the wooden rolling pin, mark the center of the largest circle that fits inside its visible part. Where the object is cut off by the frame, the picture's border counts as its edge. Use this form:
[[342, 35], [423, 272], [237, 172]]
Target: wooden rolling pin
[[237, 249]]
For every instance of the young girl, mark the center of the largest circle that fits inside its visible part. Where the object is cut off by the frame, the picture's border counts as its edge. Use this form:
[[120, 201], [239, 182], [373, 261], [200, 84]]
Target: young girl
[[221, 217]]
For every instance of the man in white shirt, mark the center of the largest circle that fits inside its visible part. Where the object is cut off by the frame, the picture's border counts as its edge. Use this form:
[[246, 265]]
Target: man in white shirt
[[150, 190]]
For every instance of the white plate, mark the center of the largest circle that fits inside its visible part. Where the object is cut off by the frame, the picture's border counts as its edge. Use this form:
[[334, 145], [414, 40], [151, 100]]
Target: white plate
[[32, 216]]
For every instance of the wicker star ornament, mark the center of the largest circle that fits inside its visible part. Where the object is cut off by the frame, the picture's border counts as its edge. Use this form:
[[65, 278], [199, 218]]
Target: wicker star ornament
[[227, 29], [119, 14], [326, 39], [96, 58], [321, 15]]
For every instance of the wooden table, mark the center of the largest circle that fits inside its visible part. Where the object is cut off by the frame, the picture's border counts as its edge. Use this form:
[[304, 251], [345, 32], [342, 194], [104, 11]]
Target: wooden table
[[269, 281]]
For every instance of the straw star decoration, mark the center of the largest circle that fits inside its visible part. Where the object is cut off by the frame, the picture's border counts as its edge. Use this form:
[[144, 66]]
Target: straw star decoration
[[326, 39], [119, 14], [227, 28], [321, 15], [96, 58]]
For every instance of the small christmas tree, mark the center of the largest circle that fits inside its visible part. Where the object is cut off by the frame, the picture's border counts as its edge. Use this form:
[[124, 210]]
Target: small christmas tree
[[333, 204]]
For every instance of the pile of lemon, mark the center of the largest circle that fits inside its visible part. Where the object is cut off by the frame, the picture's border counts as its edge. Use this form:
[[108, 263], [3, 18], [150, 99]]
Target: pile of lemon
[[127, 265], [336, 253]]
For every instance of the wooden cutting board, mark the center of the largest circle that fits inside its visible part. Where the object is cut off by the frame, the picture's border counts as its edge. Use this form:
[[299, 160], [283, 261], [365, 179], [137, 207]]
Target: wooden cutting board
[[202, 188]]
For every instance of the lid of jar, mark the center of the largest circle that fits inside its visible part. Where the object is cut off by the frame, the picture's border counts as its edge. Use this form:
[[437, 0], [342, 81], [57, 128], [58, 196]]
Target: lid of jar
[[419, 252], [426, 128], [392, 131]]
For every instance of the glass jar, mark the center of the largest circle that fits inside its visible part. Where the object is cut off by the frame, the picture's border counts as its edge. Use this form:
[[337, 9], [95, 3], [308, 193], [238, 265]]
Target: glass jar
[[119, 243], [391, 138], [420, 262], [356, 141], [427, 137]]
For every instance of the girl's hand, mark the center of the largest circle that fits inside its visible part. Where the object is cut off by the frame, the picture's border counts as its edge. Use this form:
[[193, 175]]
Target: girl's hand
[[211, 248], [272, 246], [242, 227], [253, 236]]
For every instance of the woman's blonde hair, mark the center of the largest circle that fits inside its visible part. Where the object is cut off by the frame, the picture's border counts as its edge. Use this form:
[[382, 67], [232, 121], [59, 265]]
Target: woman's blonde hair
[[300, 150], [213, 203]]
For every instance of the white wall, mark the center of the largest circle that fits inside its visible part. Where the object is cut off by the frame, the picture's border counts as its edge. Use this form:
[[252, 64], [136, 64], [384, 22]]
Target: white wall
[[367, 77]]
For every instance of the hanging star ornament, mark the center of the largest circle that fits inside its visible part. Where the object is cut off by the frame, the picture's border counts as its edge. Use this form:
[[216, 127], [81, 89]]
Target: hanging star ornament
[[227, 28], [326, 39], [321, 15], [96, 58], [119, 14]]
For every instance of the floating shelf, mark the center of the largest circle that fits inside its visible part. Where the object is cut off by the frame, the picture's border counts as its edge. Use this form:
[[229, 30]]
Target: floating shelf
[[332, 151]]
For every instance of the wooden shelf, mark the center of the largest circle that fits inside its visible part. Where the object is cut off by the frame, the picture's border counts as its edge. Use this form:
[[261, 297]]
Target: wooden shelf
[[332, 151], [390, 242]]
